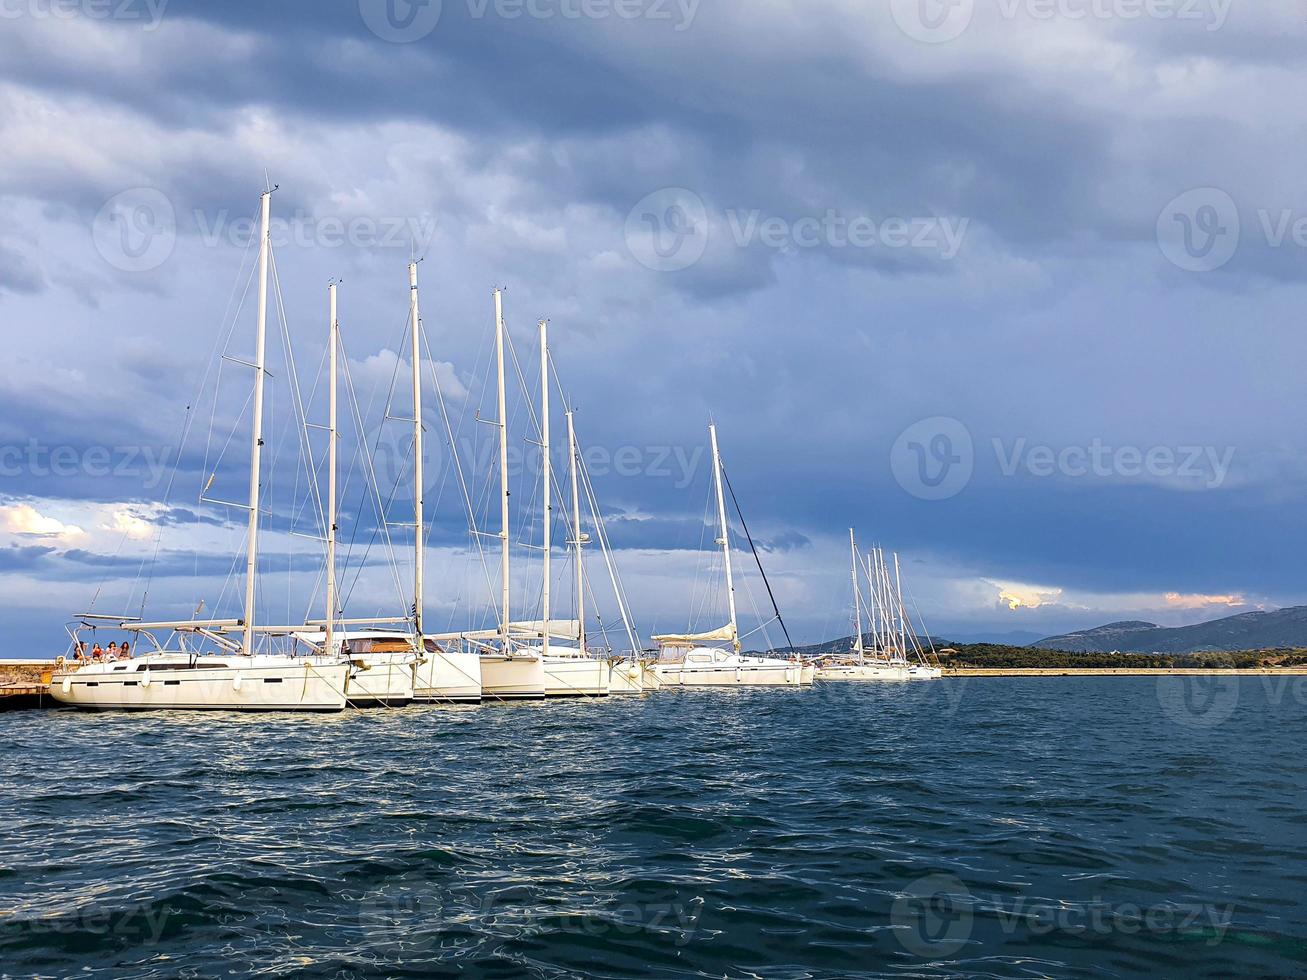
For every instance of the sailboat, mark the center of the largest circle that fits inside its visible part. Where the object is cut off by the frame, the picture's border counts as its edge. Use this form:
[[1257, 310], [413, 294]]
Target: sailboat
[[569, 671], [443, 674], [896, 652], [512, 669], [697, 659], [186, 676], [858, 665]]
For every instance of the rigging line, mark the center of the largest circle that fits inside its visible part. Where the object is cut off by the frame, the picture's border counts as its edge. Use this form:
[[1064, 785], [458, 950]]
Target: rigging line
[[929, 640], [368, 466], [361, 434], [297, 399], [601, 529], [381, 528], [458, 470], [188, 420], [761, 570], [699, 601]]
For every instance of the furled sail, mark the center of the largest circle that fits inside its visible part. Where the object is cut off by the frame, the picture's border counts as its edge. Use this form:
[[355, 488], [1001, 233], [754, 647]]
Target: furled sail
[[722, 635], [562, 629]]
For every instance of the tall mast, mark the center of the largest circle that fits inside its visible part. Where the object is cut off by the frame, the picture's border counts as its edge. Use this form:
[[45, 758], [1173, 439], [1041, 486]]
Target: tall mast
[[545, 474], [415, 329], [857, 599], [256, 437], [886, 597], [503, 469], [334, 344], [576, 533], [903, 623], [725, 539]]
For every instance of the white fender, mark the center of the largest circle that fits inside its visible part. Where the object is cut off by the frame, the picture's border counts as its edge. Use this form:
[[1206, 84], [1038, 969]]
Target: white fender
[[236, 681], [737, 675], [67, 684], [145, 679]]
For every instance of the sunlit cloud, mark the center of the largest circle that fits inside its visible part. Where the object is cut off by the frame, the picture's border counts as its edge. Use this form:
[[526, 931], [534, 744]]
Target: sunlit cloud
[[1176, 600], [26, 519], [125, 522], [1016, 596]]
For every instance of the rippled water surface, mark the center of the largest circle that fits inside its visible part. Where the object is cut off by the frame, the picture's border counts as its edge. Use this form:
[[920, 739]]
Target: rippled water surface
[[986, 827]]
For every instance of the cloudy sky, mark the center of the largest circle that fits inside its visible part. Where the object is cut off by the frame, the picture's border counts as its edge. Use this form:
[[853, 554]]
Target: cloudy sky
[[1012, 286]]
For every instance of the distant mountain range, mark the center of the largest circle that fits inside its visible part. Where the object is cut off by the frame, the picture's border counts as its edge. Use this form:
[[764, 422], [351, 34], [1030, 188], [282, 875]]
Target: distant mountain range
[[1246, 631]]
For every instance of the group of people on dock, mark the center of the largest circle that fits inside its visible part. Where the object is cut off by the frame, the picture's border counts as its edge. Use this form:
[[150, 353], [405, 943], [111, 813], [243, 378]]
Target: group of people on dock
[[97, 654]]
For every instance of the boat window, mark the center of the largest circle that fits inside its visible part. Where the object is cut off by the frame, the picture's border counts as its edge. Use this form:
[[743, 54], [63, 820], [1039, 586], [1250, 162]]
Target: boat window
[[181, 665], [171, 683], [121, 667], [272, 680]]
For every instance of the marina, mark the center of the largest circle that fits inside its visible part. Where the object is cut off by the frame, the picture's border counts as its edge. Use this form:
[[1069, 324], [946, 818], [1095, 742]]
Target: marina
[[633, 489]]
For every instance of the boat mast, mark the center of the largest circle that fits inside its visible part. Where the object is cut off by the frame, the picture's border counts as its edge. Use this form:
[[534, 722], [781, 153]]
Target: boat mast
[[576, 534], [903, 624], [503, 470], [415, 330], [256, 436], [546, 475], [725, 539], [334, 343], [857, 599]]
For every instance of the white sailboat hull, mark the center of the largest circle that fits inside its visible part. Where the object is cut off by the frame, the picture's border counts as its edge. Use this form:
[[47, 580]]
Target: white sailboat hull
[[576, 677], [921, 672], [447, 676], [863, 672], [512, 678], [675, 675], [380, 680], [708, 667], [627, 678], [219, 683]]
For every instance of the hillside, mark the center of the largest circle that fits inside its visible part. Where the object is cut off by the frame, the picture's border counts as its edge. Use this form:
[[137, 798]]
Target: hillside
[[1275, 629]]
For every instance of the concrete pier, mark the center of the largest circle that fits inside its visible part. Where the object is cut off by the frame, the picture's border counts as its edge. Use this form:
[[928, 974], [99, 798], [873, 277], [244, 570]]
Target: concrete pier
[[25, 684]]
